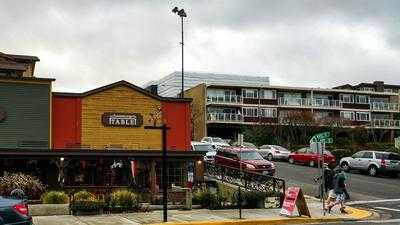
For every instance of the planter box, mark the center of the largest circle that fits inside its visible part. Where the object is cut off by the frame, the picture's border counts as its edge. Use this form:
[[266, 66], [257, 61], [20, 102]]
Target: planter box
[[49, 209]]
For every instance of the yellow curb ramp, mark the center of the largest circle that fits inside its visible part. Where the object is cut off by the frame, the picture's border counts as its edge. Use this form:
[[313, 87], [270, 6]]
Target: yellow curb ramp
[[354, 214], [358, 214]]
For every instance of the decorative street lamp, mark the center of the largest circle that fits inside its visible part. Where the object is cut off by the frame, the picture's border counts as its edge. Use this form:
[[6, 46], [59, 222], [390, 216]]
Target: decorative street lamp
[[181, 13]]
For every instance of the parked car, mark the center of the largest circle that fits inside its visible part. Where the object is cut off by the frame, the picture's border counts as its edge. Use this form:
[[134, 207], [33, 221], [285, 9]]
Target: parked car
[[373, 162], [215, 142], [245, 145], [247, 159], [310, 157], [14, 211], [273, 152], [202, 146]]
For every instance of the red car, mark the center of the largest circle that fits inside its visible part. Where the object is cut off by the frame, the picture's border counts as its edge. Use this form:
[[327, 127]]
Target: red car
[[248, 159], [310, 157]]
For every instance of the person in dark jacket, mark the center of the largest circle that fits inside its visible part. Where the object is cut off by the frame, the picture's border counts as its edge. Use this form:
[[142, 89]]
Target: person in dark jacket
[[328, 180], [339, 190]]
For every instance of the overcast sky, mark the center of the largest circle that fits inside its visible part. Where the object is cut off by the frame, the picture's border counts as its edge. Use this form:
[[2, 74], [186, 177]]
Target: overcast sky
[[85, 44]]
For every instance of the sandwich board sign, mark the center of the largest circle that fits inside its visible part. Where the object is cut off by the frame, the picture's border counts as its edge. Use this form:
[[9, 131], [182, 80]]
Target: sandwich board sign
[[294, 198]]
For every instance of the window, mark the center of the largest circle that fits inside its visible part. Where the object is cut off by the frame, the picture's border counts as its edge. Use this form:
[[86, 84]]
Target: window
[[362, 99], [347, 98], [381, 155], [253, 112], [250, 93], [358, 155], [268, 94], [388, 90], [363, 116], [347, 115], [367, 155], [302, 150], [268, 112]]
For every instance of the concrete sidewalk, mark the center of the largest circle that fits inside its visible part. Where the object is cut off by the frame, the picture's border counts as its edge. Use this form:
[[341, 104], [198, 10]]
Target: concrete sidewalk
[[205, 216]]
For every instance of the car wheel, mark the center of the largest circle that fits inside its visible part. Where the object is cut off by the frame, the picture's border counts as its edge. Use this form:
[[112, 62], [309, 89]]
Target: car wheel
[[312, 163], [270, 157], [291, 160], [345, 166], [372, 171]]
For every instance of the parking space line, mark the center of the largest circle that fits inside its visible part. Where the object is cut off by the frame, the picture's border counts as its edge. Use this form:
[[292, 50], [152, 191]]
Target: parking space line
[[389, 209]]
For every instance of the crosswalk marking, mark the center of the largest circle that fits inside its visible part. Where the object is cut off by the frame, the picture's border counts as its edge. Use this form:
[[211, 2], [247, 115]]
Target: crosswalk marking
[[380, 221], [373, 201], [389, 209]]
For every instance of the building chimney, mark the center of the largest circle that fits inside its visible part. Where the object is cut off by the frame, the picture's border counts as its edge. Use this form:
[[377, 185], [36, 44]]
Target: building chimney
[[379, 86], [153, 89]]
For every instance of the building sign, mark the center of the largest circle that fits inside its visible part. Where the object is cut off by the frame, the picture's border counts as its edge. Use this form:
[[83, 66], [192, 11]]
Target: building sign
[[122, 119], [397, 143], [3, 114]]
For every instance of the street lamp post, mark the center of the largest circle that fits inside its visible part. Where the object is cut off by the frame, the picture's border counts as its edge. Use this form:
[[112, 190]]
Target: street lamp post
[[164, 179], [181, 13]]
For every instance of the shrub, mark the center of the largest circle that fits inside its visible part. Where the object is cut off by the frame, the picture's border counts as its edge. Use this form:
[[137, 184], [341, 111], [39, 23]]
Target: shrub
[[205, 198], [86, 202], [55, 197], [84, 196], [31, 185], [125, 200]]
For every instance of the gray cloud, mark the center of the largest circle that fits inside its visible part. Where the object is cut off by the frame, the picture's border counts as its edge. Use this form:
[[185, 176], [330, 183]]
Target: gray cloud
[[84, 44]]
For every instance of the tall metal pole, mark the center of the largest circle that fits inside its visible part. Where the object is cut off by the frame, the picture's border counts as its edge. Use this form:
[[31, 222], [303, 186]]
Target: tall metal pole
[[164, 172], [182, 43]]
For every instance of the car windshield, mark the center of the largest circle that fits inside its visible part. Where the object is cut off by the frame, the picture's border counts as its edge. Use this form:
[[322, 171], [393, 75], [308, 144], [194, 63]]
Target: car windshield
[[218, 140], [203, 148], [280, 148], [250, 155]]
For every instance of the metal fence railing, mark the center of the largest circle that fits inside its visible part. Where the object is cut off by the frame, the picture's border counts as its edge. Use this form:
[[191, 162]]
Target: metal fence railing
[[246, 179]]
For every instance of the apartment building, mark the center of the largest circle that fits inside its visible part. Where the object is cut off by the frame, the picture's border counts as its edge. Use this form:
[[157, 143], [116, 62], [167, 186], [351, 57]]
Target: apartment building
[[170, 85], [222, 110]]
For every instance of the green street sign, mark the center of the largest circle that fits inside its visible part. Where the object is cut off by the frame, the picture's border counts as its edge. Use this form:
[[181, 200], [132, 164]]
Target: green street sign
[[322, 137], [327, 141]]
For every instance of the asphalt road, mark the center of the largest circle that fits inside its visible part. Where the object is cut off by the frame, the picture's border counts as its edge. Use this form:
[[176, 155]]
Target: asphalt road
[[380, 194]]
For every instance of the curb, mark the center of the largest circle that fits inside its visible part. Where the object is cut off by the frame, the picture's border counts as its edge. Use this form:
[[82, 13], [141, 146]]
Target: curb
[[277, 221], [354, 213]]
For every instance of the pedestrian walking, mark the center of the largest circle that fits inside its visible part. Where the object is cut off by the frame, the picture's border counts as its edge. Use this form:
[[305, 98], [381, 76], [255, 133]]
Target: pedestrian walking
[[339, 191], [328, 179]]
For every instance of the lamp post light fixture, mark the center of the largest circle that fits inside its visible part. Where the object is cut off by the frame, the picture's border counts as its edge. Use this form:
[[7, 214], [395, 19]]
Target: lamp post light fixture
[[181, 13]]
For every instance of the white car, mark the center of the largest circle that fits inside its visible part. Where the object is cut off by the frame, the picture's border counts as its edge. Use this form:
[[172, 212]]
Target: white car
[[202, 146], [215, 142], [273, 152]]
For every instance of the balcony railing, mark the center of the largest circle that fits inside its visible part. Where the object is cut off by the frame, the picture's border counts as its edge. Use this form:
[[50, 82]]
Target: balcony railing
[[224, 117], [326, 103], [305, 102], [384, 106], [387, 123], [231, 99]]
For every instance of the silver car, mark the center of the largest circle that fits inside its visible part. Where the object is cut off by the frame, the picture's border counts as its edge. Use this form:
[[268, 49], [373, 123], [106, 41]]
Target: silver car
[[273, 152], [373, 162]]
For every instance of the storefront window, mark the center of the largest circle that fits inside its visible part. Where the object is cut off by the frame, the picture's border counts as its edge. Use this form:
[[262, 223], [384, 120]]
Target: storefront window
[[176, 174]]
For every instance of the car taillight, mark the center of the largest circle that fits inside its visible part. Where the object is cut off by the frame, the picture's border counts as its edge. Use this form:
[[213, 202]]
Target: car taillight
[[383, 162], [22, 209]]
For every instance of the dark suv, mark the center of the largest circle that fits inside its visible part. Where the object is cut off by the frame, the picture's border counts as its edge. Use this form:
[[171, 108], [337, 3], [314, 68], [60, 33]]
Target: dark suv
[[248, 159]]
